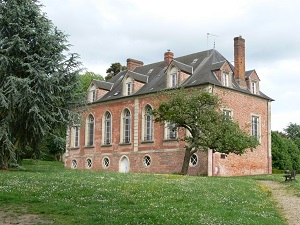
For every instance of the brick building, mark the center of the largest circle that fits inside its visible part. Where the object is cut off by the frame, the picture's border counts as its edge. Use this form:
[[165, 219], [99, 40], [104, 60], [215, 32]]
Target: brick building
[[117, 132]]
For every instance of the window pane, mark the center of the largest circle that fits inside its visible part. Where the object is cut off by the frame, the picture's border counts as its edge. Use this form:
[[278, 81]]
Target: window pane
[[148, 124], [107, 134], [127, 127]]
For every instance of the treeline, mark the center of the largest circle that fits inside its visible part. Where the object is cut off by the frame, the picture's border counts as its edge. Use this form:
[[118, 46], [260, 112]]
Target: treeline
[[286, 148]]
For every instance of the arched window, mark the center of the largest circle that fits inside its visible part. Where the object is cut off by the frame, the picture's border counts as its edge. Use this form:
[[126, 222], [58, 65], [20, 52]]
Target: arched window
[[90, 131], [107, 128], [126, 126], [148, 123]]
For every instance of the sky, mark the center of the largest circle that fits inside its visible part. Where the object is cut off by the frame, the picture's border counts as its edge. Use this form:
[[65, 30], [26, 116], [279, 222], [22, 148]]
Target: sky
[[106, 31]]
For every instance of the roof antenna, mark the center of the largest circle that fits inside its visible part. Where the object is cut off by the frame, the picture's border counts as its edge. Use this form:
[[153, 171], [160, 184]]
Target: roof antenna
[[211, 35]]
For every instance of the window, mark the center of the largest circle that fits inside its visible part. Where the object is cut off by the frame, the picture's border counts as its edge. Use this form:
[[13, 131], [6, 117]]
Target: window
[[74, 164], [225, 79], [76, 137], [253, 87], [126, 126], [90, 131], [128, 86], [174, 79], [92, 93], [171, 130], [105, 162], [88, 163], [148, 124], [227, 113], [255, 127], [193, 160], [147, 160], [107, 129]]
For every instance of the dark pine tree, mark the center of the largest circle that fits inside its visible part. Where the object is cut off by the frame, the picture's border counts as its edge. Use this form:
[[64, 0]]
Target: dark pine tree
[[38, 78]]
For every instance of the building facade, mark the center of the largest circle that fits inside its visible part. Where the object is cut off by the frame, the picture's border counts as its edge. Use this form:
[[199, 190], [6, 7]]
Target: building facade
[[117, 132]]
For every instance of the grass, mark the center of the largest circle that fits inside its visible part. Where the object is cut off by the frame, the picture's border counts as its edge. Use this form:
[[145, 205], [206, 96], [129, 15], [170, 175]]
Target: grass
[[89, 197]]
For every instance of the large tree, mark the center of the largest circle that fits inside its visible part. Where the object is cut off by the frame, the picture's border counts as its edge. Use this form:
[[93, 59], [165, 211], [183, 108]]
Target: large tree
[[85, 80], [114, 69], [198, 112], [292, 131], [38, 78]]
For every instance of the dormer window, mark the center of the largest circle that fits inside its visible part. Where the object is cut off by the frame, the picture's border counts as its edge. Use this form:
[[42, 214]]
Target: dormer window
[[172, 78], [253, 87], [92, 94], [128, 86], [225, 79]]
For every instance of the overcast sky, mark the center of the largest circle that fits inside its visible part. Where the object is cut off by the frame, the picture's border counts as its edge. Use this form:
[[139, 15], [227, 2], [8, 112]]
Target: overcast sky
[[107, 31]]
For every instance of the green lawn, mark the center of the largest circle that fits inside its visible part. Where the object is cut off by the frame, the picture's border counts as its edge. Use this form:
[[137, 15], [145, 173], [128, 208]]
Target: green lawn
[[87, 197]]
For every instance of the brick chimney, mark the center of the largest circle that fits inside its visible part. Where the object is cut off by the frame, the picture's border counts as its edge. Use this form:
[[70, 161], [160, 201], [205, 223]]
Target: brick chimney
[[132, 64], [168, 57], [239, 61]]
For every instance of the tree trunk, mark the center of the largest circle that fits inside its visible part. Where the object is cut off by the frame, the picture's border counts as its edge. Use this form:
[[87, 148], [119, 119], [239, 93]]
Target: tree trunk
[[186, 161], [4, 160]]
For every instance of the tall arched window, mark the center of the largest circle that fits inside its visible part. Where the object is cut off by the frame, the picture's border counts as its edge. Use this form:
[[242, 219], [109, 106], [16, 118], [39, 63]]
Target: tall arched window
[[90, 131], [148, 124], [107, 128], [126, 126]]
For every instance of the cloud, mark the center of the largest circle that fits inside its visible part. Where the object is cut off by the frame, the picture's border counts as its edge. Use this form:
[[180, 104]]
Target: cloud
[[105, 31]]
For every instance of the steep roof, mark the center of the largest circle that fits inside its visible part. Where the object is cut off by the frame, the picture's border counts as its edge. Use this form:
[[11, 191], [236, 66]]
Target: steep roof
[[199, 65]]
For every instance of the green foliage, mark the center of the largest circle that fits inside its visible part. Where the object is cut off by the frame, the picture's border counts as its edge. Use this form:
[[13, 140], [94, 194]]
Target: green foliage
[[38, 78], [285, 153], [197, 111], [292, 131], [86, 197], [114, 69], [86, 79]]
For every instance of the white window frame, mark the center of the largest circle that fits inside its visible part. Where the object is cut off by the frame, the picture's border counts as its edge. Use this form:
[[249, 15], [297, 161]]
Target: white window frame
[[126, 127], [172, 77], [225, 78], [171, 133], [227, 112], [254, 87], [148, 125], [90, 130], [107, 128], [128, 86], [256, 127], [194, 159]]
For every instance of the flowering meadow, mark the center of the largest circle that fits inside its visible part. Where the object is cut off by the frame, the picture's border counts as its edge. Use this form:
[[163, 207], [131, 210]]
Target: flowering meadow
[[94, 197]]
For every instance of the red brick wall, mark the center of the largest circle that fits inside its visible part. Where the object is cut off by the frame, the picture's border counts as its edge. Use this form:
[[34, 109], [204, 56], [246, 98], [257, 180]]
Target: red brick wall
[[167, 156], [243, 106]]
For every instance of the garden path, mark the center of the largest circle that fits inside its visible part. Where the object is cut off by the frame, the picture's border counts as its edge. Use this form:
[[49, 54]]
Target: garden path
[[288, 202]]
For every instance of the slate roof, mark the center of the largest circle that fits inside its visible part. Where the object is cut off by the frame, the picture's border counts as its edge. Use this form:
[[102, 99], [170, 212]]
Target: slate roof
[[199, 65]]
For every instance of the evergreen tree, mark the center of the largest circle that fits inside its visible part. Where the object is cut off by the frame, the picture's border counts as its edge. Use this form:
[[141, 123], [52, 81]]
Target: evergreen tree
[[38, 79]]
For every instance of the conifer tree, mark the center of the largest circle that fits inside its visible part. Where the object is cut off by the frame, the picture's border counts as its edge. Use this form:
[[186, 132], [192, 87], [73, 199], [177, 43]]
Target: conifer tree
[[38, 78]]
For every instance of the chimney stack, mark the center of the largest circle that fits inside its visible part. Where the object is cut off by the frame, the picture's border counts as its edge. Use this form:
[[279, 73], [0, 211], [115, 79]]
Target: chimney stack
[[132, 64], [168, 57], [239, 61]]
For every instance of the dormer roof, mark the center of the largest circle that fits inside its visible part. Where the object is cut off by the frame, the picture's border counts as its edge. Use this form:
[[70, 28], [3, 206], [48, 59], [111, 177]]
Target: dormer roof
[[181, 66], [138, 76], [102, 84]]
